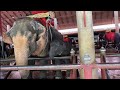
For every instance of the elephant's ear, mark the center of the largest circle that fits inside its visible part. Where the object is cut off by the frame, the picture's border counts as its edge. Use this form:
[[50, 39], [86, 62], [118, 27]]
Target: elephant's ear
[[37, 26], [6, 38]]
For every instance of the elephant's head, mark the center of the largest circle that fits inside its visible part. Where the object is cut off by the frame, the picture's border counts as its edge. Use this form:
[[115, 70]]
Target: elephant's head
[[28, 37]]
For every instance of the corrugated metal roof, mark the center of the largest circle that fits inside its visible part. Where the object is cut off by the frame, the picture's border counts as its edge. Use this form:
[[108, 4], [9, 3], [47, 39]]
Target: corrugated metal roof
[[66, 19]]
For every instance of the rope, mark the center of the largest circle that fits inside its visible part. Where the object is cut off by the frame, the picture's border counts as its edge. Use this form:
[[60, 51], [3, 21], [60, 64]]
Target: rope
[[48, 28], [39, 15]]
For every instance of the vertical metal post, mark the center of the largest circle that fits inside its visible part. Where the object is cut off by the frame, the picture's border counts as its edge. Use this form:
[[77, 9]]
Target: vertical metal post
[[116, 19], [102, 58], [2, 43], [0, 25], [73, 74], [86, 43], [1, 33]]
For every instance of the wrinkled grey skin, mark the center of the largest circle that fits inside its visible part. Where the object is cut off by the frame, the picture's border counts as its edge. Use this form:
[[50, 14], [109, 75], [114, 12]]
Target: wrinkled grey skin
[[31, 38], [58, 49], [25, 34]]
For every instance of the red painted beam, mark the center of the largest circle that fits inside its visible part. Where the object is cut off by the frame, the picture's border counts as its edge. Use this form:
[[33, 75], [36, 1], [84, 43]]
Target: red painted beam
[[88, 72], [27, 13], [22, 13], [6, 19], [12, 15], [7, 15]]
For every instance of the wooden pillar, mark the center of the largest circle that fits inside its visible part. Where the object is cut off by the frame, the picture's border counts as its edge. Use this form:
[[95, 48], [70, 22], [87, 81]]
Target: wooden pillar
[[116, 19], [86, 44]]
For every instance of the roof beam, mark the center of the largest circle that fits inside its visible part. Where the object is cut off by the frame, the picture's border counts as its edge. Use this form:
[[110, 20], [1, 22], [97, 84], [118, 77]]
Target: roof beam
[[4, 27], [27, 13], [5, 18], [13, 16], [7, 14], [22, 13], [17, 14]]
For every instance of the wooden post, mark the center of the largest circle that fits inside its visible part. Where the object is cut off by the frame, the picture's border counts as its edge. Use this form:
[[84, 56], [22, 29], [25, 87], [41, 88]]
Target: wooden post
[[116, 19], [86, 43]]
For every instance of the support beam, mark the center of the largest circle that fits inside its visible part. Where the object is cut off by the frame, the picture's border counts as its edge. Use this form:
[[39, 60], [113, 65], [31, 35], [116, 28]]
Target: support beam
[[95, 28], [13, 16], [27, 12], [86, 43], [7, 16], [116, 19], [6, 19]]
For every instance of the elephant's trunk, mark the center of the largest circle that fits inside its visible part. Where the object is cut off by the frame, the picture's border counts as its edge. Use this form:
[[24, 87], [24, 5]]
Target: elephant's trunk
[[21, 49]]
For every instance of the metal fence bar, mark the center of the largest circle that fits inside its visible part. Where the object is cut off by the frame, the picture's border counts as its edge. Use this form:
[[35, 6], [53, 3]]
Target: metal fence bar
[[61, 67], [9, 60], [65, 57]]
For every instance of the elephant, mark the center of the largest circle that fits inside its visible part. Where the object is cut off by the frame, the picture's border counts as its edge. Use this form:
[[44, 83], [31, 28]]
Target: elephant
[[31, 38]]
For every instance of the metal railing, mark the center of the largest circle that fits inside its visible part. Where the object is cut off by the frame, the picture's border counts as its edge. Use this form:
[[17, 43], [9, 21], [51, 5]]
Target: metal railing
[[87, 68]]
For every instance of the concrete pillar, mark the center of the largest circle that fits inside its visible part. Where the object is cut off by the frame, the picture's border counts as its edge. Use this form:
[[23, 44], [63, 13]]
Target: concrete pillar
[[86, 43], [116, 19]]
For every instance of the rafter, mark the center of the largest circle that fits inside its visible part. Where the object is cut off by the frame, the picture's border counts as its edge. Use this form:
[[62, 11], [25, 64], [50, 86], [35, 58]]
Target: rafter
[[27, 13], [4, 26], [22, 13], [14, 17], [17, 14], [7, 14], [6, 19]]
